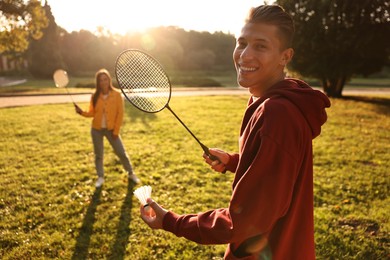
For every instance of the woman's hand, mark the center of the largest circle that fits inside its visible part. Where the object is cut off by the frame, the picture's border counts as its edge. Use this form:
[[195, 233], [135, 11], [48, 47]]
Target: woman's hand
[[78, 109], [217, 165], [153, 214]]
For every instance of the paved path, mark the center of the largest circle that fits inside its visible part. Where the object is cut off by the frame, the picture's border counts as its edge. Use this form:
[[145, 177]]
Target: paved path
[[28, 100]]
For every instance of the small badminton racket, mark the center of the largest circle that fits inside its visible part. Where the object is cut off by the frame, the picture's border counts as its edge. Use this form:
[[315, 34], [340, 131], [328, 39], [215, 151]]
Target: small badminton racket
[[61, 80], [145, 85]]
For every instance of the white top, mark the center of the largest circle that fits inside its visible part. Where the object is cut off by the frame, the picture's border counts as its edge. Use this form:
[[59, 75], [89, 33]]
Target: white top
[[104, 120]]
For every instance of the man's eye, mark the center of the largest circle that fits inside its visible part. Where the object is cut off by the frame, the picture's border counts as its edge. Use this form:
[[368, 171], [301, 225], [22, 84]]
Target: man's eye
[[241, 44], [261, 47]]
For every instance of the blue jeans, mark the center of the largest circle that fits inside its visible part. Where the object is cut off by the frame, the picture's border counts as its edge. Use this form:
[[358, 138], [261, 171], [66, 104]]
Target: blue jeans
[[97, 139]]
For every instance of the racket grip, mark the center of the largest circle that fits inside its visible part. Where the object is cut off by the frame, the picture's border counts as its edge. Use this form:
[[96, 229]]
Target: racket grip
[[212, 157]]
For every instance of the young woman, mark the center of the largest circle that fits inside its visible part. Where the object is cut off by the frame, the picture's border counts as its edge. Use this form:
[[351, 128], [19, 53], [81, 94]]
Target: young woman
[[106, 108]]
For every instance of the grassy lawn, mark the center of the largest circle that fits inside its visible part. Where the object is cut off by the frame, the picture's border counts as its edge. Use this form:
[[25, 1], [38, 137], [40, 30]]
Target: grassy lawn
[[46, 86], [179, 79], [369, 82], [86, 84], [50, 209]]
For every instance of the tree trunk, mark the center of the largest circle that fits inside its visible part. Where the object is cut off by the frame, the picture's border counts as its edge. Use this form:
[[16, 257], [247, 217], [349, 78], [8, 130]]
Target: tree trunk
[[333, 87]]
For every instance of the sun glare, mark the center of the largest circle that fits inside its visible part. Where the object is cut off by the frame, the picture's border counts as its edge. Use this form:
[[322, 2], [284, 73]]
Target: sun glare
[[123, 16]]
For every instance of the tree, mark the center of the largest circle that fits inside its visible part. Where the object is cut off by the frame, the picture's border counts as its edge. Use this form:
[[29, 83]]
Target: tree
[[20, 21], [84, 51], [337, 39], [44, 54]]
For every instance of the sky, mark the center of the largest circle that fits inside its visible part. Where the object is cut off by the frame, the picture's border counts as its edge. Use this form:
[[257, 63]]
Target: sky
[[123, 16]]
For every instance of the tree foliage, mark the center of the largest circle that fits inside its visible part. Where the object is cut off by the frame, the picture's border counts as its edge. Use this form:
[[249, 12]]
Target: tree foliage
[[82, 51], [173, 47], [20, 21], [44, 54], [336, 39]]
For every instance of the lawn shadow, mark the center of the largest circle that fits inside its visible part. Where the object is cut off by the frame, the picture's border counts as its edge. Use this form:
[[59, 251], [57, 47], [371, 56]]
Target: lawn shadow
[[134, 114], [118, 248], [84, 237], [382, 102]]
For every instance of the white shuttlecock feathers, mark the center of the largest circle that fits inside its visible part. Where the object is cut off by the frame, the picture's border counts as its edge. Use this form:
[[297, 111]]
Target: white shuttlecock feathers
[[143, 193]]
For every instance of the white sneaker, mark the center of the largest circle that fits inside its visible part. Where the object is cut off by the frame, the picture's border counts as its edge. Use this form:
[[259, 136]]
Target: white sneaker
[[99, 182], [133, 178]]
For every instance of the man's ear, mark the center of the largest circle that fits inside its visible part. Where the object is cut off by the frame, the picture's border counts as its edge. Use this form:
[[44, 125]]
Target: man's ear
[[286, 56]]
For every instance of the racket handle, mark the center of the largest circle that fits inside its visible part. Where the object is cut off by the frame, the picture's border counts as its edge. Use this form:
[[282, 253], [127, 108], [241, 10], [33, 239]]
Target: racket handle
[[212, 157], [207, 152]]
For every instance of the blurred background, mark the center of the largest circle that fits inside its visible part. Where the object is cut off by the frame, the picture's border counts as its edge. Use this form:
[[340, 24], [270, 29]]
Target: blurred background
[[338, 43]]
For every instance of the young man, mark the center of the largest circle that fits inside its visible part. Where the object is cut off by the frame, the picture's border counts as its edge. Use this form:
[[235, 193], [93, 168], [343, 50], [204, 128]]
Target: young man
[[270, 214]]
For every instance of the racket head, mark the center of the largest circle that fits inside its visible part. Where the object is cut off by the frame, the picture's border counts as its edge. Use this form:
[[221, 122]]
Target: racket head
[[61, 78], [143, 80]]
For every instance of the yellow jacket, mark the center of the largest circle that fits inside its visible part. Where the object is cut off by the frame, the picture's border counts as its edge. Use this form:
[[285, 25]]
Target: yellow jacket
[[112, 107]]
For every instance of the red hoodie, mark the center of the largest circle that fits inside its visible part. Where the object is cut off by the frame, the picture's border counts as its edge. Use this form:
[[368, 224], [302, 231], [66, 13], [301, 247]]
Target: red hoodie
[[270, 214]]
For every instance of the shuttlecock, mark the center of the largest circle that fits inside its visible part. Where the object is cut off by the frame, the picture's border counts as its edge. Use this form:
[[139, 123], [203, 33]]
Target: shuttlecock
[[142, 194]]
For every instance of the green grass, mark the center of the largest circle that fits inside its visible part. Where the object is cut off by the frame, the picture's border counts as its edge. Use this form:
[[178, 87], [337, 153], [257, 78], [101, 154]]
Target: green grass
[[86, 84], [47, 86], [49, 208], [369, 82], [179, 79]]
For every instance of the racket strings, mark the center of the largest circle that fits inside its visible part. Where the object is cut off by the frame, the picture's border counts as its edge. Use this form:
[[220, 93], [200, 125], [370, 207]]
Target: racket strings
[[143, 81]]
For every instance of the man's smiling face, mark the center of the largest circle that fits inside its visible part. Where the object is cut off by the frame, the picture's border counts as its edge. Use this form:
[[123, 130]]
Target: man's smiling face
[[259, 57]]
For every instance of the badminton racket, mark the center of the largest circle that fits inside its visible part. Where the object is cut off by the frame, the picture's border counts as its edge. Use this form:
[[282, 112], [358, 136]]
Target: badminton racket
[[145, 85], [61, 80]]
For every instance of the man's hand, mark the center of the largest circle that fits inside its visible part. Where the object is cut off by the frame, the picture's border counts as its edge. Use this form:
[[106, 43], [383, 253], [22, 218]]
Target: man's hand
[[153, 214], [217, 165]]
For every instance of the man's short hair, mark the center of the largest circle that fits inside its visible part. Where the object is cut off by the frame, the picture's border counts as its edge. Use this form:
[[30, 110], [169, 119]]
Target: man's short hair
[[274, 15]]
